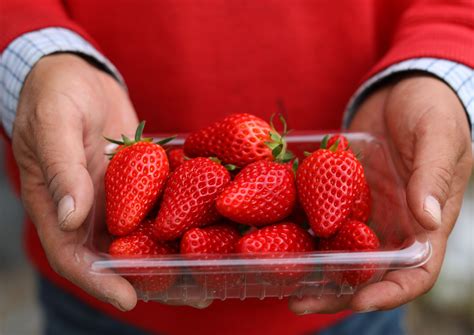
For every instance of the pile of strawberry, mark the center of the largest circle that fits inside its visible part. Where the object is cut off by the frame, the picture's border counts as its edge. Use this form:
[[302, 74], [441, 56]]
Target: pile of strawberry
[[236, 173]]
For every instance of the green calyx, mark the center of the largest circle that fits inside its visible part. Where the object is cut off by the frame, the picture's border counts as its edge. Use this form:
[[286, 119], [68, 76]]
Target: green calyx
[[294, 166], [333, 147], [126, 141], [278, 143], [228, 167]]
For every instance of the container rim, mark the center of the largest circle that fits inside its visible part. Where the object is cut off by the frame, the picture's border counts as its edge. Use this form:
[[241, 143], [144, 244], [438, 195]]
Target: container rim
[[415, 255]]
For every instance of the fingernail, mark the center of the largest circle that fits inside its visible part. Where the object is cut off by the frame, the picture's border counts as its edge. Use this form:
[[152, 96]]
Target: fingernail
[[116, 304], [433, 208], [65, 208], [368, 310]]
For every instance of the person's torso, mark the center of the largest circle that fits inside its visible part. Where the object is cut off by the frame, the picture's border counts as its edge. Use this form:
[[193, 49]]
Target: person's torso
[[187, 63]]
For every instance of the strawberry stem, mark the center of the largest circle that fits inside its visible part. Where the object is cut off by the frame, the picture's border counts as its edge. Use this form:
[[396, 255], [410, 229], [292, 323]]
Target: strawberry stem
[[295, 165], [231, 167], [139, 131], [324, 142], [278, 144], [334, 147], [215, 160], [126, 141], [111, 140], [165, 140], [228, 167]]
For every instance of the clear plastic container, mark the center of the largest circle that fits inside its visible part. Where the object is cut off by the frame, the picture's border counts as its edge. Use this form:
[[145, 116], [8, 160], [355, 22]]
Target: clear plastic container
[[403, 245]]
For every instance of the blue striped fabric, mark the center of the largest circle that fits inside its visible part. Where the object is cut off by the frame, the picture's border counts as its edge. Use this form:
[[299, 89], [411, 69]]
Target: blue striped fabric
[[458, 76], [23, 53]]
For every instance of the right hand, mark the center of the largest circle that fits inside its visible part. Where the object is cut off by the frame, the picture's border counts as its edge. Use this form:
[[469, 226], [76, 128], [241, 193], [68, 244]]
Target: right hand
[[65, 107]]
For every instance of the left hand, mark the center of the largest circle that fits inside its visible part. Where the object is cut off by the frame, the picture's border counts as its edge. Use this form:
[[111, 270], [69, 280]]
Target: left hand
[[427, 131]]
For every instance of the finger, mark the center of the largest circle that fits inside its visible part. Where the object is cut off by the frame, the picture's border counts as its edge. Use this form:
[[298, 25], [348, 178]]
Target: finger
[[74, 263], [326, 304], [58, 135], [436, 155], [402, 286], [396, 289], [70, 259]]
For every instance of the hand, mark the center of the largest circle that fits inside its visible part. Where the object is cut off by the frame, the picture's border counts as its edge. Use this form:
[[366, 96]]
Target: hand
[[65, 108], [428, 135]]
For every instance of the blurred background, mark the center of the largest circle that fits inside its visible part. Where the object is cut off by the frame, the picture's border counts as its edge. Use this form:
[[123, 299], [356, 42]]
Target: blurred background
[[447, 309]]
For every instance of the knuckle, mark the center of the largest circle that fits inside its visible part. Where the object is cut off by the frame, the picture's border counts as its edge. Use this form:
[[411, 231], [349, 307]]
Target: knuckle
[[53, 172], [42, 117], [442, 179]]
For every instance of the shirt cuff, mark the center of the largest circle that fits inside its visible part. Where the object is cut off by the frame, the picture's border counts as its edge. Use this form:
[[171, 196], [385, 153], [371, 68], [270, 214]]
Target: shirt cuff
[[22, 54], [457, 76]]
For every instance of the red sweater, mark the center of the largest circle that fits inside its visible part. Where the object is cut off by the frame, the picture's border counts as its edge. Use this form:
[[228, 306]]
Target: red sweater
[[188, 62]]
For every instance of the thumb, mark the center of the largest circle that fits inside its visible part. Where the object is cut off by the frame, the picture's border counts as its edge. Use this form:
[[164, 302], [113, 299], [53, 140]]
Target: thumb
[[60, 151], [436, 154]]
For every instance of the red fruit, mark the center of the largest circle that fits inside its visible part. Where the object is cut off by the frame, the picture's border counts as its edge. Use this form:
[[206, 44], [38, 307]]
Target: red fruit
[[263, 192], [219, 239], [202, 143], [352, 236], [189, 198], [215, 240], [343, 143], [133, 182], [326, 183], [283, 238], [176, 157], [239, 139], [362, 202], [140, 243]]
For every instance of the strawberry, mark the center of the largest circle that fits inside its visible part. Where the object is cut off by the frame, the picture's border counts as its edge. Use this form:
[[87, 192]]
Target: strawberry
[[353, 236], [239, 139], [189, 197], [216, 240], [133, 181], [176, 157], [202, 143], [342, 142], [263, 192], [285, 237], [140, 243], [326, 182], [362, 202]]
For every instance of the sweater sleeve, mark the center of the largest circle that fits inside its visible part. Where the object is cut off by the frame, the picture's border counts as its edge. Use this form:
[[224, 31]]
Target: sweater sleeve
[[19, 17], [440, 29], [433, 36], [25, 51], [22, 16], [458, 77]]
